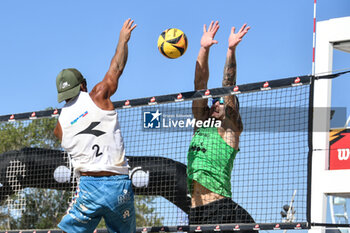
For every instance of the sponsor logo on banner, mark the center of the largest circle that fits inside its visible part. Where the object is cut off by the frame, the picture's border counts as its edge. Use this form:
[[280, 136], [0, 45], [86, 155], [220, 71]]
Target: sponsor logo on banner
[[235, 90], [343, 154], [237, 228], [256, 227], [152, 101], [277, 227], [207, 94], [33, 116], [12, 118], [198, 229], [127, 104], [266, 86], [339, 149], [217, 228], [297, 82], [55, 113], [179, 98]]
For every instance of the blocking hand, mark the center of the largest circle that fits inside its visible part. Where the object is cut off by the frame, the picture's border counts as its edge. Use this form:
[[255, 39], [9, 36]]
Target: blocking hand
[[235, 38], [208, 35], [126, 30]]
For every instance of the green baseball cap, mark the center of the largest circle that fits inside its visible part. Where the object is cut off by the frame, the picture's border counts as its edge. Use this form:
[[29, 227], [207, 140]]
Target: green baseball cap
[[68, 83]]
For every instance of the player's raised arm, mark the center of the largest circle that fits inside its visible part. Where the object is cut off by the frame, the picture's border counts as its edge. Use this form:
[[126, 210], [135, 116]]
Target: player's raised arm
[[230, 68], [109, 85], [199, 107], [202, 64], [230, 75]]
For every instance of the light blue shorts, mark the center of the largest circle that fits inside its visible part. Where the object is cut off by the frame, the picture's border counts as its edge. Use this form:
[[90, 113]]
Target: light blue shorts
[[110, 197]]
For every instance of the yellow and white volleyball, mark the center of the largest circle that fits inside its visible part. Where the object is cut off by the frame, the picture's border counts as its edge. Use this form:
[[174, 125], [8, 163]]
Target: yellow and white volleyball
[[172, 43]]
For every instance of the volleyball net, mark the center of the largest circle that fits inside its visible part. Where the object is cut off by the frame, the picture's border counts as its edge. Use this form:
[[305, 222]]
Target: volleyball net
[[270, 178]]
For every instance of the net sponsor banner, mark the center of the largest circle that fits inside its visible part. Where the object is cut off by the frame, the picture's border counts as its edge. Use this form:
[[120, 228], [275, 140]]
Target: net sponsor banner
[[339, 149]]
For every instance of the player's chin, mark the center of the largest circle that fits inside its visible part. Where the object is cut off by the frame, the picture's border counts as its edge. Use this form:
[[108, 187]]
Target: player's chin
[[217, 115]]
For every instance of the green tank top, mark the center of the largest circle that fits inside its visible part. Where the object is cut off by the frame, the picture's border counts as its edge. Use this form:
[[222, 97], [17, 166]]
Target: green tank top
[[210, 161]]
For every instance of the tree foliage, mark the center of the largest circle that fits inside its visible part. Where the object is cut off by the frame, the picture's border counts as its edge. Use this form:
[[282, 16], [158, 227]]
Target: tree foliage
[[43, 209], [145, 213], [35, 133]]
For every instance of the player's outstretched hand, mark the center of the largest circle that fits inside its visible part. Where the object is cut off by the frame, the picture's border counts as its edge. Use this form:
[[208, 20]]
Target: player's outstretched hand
[[208, 35], [126, 30], [235, 38]]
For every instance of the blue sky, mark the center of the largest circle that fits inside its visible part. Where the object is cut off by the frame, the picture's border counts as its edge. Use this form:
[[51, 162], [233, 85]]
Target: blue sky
[[39, 38]]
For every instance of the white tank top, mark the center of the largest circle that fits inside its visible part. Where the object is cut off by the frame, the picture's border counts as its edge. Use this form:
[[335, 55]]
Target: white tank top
[[92, 137]]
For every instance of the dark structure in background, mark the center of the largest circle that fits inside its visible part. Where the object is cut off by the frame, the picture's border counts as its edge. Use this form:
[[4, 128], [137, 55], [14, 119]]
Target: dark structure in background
[[37, 168]]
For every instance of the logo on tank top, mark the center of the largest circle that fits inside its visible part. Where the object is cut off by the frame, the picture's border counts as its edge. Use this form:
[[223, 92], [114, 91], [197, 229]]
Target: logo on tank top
[[90, 130], [197, 148], [76, 119]]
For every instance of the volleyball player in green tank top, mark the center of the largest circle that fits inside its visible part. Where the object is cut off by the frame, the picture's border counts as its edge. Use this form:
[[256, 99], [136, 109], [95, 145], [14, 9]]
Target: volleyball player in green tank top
[[212, 150]]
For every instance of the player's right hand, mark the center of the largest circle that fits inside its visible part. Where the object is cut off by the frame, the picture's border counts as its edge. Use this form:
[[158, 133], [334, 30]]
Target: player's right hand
[[126, 30]]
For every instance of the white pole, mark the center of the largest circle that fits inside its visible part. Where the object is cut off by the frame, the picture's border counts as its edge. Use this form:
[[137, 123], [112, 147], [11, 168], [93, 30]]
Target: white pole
[[314, 41]]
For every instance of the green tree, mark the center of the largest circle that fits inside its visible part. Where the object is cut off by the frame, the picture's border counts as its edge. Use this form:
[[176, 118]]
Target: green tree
[[20, 134], [44, 209], [145, 213], [5, 219]]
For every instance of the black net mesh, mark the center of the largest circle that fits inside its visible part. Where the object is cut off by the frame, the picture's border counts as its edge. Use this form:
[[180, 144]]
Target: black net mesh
[[269, 172]]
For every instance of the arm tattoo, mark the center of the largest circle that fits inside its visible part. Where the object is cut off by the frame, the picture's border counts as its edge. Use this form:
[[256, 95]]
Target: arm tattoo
[[230, 69]]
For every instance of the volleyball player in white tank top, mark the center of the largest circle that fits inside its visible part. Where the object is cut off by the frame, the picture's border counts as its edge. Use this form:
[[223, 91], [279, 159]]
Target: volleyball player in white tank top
[[89, 131]]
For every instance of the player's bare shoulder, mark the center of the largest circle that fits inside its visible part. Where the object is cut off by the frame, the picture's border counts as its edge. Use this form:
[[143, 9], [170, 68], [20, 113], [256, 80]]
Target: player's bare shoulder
[[101, 97]]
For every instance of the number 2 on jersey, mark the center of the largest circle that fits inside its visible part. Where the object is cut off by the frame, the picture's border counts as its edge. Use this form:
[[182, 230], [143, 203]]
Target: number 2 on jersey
[[97, 148]]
